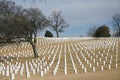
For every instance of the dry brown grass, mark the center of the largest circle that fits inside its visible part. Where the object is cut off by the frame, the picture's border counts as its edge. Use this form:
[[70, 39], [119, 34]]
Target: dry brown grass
[[50, 44]]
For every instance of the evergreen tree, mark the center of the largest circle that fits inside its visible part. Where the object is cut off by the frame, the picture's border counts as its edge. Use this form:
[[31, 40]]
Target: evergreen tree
[[103, 31], [48, 34]]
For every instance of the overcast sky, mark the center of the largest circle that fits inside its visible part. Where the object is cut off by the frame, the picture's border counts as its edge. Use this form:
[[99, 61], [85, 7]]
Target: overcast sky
[[80, 14]]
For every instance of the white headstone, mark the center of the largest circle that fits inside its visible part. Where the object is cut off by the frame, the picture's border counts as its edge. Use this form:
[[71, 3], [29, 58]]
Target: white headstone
[[101, 68], [33, 71], [103, 62], [65, 71], [75, 71], [97, 64], [41, 74], [93, 69], [21, 72], [38, 70], [85, 70], [116, 65], [45, 70], [109, 66], [54, 72], [28, 74], [12, 76], [7, 73], [3, 72], [90, 65]]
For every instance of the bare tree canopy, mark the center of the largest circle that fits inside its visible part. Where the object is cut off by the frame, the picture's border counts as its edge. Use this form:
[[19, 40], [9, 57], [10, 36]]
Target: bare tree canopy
[[36, 21], [17, 23], [116, 24], [57, 22], [92, 31]]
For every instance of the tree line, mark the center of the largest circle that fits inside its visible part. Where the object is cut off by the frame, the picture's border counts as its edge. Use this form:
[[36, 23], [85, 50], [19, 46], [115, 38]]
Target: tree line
[[104, 31]]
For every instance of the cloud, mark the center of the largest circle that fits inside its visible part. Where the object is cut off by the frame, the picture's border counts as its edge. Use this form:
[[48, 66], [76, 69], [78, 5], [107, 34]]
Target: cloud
[[79, 12]]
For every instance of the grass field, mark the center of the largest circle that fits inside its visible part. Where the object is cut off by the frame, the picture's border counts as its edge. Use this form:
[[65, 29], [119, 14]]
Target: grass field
[[62, 59]]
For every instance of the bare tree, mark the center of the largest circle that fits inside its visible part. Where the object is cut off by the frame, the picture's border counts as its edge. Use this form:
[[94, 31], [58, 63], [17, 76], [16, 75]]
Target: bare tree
[[17, 23], [8, 11], [57, 22], [36, 21], [116, 24], [91, 31]]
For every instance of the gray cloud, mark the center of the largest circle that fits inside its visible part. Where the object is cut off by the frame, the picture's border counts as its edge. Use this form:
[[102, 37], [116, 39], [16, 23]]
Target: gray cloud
[[80, 12]]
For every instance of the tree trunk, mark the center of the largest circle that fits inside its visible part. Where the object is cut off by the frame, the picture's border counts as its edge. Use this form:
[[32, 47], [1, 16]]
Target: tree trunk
[[8, 40], [34, 49], [57, 33]]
